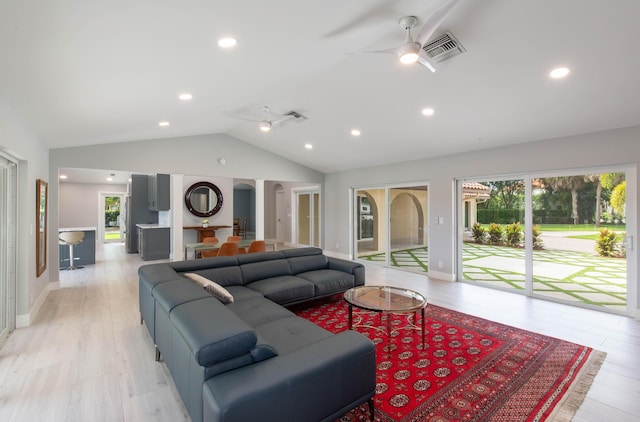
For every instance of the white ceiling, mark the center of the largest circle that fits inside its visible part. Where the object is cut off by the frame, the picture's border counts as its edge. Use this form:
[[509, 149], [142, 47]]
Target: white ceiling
[[84, 72]]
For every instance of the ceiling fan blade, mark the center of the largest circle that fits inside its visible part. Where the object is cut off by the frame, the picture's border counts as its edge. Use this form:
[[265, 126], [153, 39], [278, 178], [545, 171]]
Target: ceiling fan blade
[[434, 21], [279, 121], [426, 61], [395, 50]]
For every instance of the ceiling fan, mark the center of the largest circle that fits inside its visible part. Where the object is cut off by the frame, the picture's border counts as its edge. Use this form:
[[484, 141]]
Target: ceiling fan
[[411, 51], [270, 120]]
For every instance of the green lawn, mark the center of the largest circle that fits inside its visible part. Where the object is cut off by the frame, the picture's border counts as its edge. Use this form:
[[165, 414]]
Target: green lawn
[[580, 227]]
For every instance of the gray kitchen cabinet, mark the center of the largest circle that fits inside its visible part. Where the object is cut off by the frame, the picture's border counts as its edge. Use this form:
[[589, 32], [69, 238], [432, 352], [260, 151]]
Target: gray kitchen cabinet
[[159, 192], [153, 242]]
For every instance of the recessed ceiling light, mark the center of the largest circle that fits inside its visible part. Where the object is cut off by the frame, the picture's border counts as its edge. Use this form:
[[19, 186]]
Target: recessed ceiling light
[[227, 42], [308, 146], [163, 124], [355, 132], [63, 176], [109, 179], [428, 111], [559, 72], [185, 96]]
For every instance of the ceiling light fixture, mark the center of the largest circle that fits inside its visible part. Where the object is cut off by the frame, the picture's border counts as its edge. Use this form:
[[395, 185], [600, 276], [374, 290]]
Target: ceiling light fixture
[[559, 72], [428, 111], [185, 96], [109, 179], [227, 42], [355, 132], [409, 53], [265, 126], [308, 146], [163, 124], [63, 176]]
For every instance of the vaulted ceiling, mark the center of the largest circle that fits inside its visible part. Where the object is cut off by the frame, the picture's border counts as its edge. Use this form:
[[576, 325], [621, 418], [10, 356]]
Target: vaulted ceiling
[[84, 72]]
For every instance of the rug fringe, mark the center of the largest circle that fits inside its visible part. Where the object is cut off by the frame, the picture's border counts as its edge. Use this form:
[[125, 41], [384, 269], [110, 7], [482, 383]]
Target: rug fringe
[[573, 399]]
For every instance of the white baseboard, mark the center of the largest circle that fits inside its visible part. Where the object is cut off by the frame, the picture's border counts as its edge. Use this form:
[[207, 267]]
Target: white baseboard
[[441, 276], [26, 319], [334, 254]]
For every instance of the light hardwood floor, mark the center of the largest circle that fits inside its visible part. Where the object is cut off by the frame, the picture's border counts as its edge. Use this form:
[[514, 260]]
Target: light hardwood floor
[[87, 358]]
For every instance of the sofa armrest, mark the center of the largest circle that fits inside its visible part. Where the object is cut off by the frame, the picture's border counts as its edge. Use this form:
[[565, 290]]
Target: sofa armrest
[[350, 267], [318, 382]]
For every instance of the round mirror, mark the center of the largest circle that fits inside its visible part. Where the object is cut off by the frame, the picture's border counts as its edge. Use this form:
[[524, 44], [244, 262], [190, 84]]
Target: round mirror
[[203, 199]]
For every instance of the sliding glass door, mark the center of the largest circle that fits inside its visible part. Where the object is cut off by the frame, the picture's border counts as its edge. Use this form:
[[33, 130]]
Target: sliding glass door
[[8, 206], [561, 236], [391, 225]]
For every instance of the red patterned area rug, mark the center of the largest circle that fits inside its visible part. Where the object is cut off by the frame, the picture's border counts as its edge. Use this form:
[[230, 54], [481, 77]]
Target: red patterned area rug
[[470, 369]]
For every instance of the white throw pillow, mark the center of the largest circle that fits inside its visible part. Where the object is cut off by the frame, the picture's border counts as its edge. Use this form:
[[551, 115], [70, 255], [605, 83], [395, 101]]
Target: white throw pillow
[[213, 288]]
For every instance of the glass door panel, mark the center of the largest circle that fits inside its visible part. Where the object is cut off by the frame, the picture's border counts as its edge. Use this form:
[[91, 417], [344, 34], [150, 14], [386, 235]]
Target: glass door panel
[[316, 219], [407, 234], [371, 229], [304, 218], [493, 241], [112, 227], [570, 211]]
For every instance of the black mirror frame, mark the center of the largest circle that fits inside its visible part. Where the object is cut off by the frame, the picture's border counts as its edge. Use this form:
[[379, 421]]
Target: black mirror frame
[[214, 188]]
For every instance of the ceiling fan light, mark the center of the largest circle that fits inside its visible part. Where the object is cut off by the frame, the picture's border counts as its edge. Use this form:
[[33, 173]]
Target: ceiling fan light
[[409, 53], [265, 126], [408, 58]]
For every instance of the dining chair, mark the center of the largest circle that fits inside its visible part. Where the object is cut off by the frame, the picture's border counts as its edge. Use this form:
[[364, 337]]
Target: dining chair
[[234, 239], [257, 246], [242, 230], [236, 225], [211, 252], [228, 249]]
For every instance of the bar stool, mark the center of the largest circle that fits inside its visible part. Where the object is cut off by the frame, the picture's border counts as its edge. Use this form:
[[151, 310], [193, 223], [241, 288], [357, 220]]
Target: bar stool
[[72, 239]]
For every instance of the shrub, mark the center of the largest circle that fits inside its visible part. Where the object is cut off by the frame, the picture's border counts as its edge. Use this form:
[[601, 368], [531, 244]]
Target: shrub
[[535, 234], [495, 234], [607, 243], [479, 233], [513, 234]]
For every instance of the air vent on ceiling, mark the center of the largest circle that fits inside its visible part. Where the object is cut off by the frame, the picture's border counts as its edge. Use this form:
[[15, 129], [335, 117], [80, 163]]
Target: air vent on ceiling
[[443, 47]]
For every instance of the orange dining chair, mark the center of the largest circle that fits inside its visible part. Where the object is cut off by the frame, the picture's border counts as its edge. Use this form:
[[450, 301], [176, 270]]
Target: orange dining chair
[[228, 249], [234, 239], [210, 252], [257, 246]]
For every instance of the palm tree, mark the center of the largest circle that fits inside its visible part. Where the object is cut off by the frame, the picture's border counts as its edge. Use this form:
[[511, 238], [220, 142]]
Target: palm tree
[[595, 178]]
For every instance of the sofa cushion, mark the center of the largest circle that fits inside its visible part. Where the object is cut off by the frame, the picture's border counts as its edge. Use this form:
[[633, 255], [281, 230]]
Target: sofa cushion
[[289, 253], [264, 270], [328, 281], [211, 331], [259, 257], [241, 293], [213, 288], [284, 289], [173, 293], [258, 310], [301, 264], [292, 333], [224, 276]]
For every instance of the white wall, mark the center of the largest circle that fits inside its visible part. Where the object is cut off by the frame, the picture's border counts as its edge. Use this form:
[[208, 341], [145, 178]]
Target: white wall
[[33, 163], [79, 203], [615, 147]]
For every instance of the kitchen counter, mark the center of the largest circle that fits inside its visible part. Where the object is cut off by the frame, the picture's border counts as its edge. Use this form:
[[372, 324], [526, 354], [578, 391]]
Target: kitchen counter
[[152, 226], [84, 253]]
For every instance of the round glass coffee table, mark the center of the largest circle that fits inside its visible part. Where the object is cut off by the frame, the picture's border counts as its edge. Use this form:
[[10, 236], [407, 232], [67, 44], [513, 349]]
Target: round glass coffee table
[[387, 300]]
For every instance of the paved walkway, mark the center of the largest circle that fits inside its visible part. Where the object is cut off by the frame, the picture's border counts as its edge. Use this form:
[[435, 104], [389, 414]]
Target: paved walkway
[[567, 269]]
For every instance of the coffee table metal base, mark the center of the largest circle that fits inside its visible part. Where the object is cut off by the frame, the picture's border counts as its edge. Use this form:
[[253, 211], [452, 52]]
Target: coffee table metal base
[[409, 326]]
